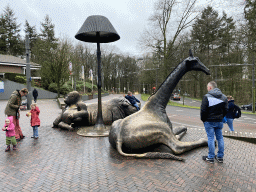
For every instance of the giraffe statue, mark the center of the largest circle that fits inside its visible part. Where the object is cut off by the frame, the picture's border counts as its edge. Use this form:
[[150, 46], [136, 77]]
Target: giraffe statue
[[151, 126]]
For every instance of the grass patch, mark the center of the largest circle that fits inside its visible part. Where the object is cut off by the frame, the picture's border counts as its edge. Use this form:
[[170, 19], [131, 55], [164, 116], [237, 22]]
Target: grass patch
[[181, 105]]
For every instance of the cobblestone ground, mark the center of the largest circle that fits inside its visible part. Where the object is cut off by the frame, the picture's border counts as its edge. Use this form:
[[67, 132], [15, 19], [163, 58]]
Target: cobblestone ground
[[63, 161]]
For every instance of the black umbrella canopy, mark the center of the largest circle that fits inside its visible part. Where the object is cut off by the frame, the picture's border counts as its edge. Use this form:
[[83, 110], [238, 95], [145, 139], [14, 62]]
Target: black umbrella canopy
[[92, 25]]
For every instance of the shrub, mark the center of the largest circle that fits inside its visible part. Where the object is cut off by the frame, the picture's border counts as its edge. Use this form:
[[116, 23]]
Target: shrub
[[65, 89], [11, 76], [53, 87], [20, 79]]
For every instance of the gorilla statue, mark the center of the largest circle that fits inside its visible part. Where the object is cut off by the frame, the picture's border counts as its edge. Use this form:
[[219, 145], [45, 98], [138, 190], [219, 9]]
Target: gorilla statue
[[79, 114]]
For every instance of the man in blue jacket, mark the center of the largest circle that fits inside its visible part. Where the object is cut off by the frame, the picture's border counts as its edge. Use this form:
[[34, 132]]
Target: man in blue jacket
[[213, 109], [133, 100]]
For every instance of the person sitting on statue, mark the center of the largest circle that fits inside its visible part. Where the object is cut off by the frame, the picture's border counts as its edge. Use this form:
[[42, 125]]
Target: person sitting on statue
[[133, 100]]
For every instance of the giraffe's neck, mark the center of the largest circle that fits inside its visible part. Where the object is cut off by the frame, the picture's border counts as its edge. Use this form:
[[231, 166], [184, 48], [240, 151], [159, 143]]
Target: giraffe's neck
[[162, 96]]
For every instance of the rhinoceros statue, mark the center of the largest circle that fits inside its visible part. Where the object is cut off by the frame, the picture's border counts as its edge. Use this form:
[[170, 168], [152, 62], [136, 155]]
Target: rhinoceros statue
[[137, 134], [78, 114]]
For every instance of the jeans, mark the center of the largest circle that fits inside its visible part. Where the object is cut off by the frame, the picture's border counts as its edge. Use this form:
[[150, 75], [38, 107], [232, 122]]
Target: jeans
[[136, 105], [35, 131], [230, 124], [214, 128]]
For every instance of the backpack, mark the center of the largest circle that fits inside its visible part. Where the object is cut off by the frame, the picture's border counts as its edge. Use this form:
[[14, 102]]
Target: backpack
[[236, 112]]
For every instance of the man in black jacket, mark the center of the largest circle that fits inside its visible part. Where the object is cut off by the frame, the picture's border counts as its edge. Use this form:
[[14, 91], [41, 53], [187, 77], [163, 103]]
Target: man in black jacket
[[213, 109], [35, 94]]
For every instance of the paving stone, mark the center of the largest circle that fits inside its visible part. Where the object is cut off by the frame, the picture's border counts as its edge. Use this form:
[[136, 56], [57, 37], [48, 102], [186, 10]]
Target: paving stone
[[63, 161]]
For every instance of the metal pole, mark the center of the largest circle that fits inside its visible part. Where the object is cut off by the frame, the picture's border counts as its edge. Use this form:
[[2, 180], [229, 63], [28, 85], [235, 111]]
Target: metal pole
[[99, 122], [28, 74], [253, 86]]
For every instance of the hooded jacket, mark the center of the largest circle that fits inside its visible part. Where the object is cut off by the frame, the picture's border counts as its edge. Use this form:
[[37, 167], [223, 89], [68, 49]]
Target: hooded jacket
[[214, 106], [11, 128], [35, 121], [13, 104]]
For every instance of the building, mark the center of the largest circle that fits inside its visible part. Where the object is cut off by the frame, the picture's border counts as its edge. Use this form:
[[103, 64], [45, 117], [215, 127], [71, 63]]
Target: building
[[9, 63]]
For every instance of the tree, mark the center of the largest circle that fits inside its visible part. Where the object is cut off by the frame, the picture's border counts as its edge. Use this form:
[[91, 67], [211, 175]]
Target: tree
[[10, 39], [159, 30], [58, 67], [43, 48], [205, 34], [32, 35], [47, 30], [250, 16]]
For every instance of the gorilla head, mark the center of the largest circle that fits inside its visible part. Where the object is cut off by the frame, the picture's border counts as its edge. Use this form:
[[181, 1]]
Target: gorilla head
[[72, 98]]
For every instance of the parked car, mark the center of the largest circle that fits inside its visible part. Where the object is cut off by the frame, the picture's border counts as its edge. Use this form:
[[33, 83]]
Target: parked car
[[248, 107], [172, 96], [176, 96]]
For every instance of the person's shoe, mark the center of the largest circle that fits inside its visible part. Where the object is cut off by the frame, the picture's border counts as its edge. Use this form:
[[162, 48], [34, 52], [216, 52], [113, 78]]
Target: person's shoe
[[205, 158], [7, 148], [36, 137], [14, 147], [17, 139], [32, 136], [220, 160]]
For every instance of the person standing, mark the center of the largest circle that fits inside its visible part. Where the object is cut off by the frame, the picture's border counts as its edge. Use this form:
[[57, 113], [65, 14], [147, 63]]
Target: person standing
[[12, 109], [35, 121], [133, 100], [214, 108], [10, 134], [35, 94], [229, 115]]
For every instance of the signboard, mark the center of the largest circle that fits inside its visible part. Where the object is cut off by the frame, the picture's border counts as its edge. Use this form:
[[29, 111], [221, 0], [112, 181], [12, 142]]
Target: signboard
[[70, 67], [1, 86]]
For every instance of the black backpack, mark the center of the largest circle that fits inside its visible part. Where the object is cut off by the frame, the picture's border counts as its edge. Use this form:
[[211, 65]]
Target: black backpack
[[236, 112]]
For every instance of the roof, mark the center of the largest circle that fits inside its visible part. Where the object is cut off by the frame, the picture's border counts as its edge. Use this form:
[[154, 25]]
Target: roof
[[16, 61]]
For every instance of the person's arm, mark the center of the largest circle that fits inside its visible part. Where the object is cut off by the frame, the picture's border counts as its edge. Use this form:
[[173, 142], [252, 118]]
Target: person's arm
[[37, 110], [204, 109], [137, 100], [12, 102]]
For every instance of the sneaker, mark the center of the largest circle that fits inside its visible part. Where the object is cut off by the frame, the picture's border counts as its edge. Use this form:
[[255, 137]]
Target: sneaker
[[32, 136], [220, 160], [7, 148], [36, 137], [14, 147], [205, 158]]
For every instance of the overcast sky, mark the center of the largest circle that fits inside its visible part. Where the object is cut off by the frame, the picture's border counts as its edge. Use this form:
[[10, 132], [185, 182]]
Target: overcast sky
[[129, 17]]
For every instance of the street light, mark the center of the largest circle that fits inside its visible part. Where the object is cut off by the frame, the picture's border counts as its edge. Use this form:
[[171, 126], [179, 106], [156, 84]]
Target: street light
[[28, 73], [97, 29]]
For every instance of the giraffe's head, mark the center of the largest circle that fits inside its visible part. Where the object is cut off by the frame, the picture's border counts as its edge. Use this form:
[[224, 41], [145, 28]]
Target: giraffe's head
[[193, 63]]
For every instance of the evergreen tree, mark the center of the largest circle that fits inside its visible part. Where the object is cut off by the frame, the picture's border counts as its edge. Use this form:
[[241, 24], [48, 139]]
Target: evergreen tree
[[47, 31], [250, 16], [10, 40], [205, 31], [44, 46], [32, 35]]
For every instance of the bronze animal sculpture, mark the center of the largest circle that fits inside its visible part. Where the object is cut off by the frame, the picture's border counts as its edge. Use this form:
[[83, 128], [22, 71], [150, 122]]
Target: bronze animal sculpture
[[79, 114], [151, 126]]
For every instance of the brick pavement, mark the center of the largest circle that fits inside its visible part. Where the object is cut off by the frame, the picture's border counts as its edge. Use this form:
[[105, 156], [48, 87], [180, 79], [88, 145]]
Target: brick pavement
[[63, 161]]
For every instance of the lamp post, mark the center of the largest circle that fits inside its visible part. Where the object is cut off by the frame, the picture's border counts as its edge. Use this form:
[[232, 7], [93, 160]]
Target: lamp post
[[97, 29], [28, 73]]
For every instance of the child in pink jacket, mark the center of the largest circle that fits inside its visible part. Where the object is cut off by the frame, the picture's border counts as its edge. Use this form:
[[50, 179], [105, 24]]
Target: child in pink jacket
[[9, 129], [35, 121]]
